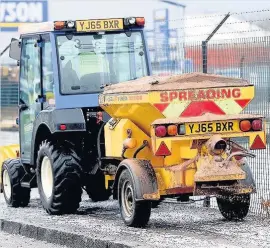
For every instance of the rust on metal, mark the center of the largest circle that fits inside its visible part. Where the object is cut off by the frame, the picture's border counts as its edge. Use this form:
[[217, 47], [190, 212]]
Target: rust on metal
[[152, 196], [211, 170], [183, 166], [175, 82], [179, 190], [207, 189]]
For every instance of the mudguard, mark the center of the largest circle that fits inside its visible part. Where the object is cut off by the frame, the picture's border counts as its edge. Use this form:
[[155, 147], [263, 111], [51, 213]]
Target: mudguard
[[53, 118], [144, 179], [73, 118]]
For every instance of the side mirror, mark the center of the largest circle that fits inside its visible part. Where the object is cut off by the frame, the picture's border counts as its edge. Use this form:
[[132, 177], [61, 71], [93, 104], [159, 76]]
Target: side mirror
[[17, 121], [15, 49]]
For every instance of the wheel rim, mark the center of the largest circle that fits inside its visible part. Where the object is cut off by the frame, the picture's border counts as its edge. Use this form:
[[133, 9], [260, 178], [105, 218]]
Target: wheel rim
[[7, 184], [127, 199], [47, 177]]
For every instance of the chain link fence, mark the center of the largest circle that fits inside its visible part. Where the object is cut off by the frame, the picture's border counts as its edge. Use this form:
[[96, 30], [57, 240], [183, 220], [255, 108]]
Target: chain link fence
[[240, 48]]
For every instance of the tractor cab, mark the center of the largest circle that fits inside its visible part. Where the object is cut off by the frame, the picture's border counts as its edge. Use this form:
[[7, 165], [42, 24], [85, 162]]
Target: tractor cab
[[66, 64]]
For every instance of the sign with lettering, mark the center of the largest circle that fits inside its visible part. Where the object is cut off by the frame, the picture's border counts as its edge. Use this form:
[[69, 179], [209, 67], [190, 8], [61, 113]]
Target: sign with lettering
[[13, 13], [201, 94]]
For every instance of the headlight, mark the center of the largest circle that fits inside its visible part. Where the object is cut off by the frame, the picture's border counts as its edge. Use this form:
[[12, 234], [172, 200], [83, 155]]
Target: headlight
[[132, 20], [70, 24]]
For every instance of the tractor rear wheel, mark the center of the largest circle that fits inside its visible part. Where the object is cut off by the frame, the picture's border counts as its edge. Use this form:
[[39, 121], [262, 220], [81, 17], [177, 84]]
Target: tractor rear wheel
[[234, 207], [58, 178], [135, 214], [15, 195]]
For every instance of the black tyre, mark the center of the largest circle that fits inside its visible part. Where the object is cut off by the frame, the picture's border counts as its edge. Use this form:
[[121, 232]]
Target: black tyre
[[58, 178], [95, 187], [15, 195], [234, 207], [135, 214], [155, 204]]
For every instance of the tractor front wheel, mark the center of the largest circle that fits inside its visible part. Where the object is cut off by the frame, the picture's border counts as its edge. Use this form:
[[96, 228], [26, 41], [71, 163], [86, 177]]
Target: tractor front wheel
[[234, 207], [15, 195], [58, 178], [135, 214]]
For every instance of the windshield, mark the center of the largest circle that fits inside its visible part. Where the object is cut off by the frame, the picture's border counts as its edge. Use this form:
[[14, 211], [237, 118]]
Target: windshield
[[88, 62]]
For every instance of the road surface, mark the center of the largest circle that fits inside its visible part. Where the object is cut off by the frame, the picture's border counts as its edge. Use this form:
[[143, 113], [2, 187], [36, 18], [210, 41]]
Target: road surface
[[16, 241], [171, 225]]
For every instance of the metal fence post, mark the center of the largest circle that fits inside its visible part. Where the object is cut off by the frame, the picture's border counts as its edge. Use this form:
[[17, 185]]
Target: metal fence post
[[206, 201], [204, 56]]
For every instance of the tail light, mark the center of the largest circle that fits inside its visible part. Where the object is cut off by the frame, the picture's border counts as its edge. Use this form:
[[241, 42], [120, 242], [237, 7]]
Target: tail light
[[245, 125], [140, 21], [172, 130], [257, 125], [63, 127], [251, 125], [161, 131]]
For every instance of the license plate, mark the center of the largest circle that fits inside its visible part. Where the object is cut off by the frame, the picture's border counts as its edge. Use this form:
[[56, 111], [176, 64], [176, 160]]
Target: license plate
[[99, 25], [212, 127]]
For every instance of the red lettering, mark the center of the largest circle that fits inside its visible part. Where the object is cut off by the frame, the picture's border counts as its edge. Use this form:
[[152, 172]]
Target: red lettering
[[182, 95], [201, 95], [210, 94], [191, 95], [236, 93], [164, 97], [225, 93], [217, 94], [173, 95]]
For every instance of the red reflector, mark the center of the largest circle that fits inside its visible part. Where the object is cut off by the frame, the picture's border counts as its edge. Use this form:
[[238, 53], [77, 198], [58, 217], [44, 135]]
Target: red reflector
[[257, 125], [163, 150], [245, 125], [160, 131], [257, 144], [140, 21], [63, 127]]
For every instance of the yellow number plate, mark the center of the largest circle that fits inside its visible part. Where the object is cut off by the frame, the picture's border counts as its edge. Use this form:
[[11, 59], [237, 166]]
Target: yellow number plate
[[99, 25], [212, 127]]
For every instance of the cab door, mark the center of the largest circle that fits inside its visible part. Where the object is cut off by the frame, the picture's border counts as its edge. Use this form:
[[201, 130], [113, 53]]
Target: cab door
[[30, 91]]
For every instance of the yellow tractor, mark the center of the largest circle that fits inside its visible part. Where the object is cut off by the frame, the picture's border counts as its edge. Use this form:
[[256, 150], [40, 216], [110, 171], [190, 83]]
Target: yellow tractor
[[112, 128]]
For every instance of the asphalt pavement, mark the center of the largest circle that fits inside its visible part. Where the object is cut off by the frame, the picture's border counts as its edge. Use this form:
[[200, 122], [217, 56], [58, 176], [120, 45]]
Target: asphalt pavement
[[100, 225]]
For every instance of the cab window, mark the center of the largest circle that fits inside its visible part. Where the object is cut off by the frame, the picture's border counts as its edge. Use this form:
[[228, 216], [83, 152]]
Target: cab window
[[30, 72], [88, 61], [47, 70]]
